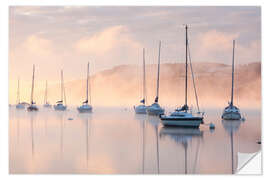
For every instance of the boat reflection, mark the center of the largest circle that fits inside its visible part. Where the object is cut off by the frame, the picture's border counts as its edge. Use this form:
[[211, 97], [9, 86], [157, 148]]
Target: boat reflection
[[86, 118], [19, 116], [231, 127], [60, 117], [183, 136], [154, 121], [142, 118], [61, 134]]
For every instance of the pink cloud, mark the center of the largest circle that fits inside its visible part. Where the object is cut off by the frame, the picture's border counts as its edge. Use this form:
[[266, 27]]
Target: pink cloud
[[215, 41], [107, 40]]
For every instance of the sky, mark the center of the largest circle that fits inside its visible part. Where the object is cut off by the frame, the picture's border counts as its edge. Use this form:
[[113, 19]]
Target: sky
[[67, 37]]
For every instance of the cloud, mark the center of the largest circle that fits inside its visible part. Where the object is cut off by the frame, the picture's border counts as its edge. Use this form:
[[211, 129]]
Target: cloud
[[111, 36], [38, 50], [32, 49], [215, 42], [250, 52], [37, 45], [216, 46], [109, 39]]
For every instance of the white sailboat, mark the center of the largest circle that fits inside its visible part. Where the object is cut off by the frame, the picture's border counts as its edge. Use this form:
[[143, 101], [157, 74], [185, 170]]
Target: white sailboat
[[141, 109], [60, 104], [183, 116], [231, 112], [32, 106], [19, 104], [46, 103], [155, 108], [85, 107]]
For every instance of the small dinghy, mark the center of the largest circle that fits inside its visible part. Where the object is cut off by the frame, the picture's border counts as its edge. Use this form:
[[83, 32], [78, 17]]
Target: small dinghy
[[32, 106], [60, 104], [155, 108], [46, 103], [183, 116], [231, 112], [85, 107], [141, 109]]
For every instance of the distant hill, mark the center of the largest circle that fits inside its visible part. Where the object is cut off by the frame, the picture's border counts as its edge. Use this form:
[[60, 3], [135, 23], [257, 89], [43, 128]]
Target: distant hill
[[121, 85]]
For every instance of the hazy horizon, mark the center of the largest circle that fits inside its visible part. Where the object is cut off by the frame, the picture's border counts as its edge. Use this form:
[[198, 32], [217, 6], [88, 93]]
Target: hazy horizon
[[121, 86]]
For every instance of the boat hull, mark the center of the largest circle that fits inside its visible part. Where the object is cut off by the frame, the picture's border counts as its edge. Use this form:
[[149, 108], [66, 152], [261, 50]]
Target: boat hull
[[47, 105], [192, 122], [154, 112], [20, 106], [231, 116], [60, 108], [187, 123], [32, 108], [140, 110], [84, 110]]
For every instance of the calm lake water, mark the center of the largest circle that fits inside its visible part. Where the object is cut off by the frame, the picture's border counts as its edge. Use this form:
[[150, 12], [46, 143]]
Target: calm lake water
[[116, 141]]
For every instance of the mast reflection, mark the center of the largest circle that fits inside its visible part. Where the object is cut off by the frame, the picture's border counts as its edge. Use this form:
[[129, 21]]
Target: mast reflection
[[231, 127], [183, 136], [141, 118], [32, 126], [86, 122], [154, 122]]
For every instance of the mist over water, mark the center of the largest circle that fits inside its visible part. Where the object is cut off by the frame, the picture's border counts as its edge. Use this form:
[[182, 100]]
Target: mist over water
[[122, 86], [115, 140]]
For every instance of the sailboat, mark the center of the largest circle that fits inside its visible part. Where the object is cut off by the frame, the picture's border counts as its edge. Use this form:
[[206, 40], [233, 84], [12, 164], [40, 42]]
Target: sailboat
[[32, 106], [46, 103], [155, 108], [231, 112], [141, 109], [85, 107], [19, 104], [183, 116], [59, 104]]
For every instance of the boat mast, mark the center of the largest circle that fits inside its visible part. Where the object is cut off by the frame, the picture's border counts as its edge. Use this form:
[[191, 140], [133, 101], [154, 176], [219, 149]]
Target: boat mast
[[45, 97], [87, 79], [33, 79], [156, 100], [62, 88], [232, 74], [18, 92], [144, 88], [186, 27], [89, 87], [65, 96]]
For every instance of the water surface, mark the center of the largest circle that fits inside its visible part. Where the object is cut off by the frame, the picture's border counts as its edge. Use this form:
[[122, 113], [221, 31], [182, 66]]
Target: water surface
[[116, 141]]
